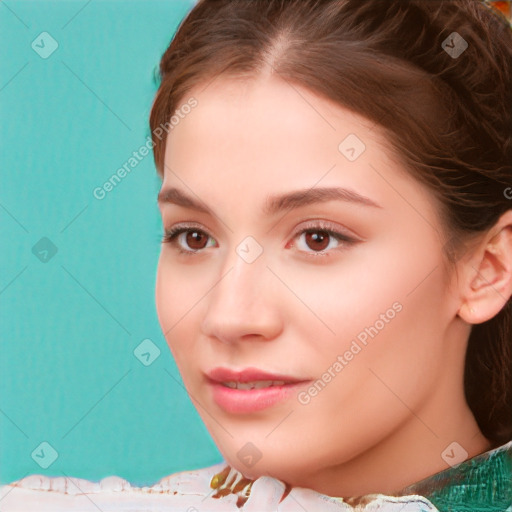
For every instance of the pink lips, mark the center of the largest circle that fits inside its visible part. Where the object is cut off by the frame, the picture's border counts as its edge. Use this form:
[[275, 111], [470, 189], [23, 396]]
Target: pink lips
[[220, 374], [239, 401]]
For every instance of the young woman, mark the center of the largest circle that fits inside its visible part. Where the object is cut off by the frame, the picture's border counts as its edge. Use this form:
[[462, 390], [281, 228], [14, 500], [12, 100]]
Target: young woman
[[336, 272]]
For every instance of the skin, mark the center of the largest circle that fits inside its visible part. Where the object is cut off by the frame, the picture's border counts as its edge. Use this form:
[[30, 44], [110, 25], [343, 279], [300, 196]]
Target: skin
[[383, 422]]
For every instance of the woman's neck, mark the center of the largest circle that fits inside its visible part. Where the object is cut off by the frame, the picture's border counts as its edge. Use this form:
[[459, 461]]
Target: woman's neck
[[442, 435]]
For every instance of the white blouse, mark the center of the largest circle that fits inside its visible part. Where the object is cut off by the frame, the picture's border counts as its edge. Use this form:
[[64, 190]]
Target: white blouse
[[483, 482], [186, 491]]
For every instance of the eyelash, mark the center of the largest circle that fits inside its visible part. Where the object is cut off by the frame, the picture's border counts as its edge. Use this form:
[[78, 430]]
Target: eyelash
[[171, 235]]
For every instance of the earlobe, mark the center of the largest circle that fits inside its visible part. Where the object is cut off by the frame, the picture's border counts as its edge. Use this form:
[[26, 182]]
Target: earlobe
[[488, 283], [470, 314]]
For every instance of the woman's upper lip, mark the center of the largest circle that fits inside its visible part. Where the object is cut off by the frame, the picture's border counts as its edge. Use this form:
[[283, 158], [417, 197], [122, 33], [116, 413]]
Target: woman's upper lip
[[220, 374]]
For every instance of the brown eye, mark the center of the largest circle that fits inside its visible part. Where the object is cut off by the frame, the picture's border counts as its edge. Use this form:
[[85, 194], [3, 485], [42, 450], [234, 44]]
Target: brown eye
[[321, 239], [317, 240], [196, 240], [187, 240]]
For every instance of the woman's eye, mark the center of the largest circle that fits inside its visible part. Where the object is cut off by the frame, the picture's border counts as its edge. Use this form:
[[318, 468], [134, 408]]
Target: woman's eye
[[319, 240], [315, 240], [194, 239]]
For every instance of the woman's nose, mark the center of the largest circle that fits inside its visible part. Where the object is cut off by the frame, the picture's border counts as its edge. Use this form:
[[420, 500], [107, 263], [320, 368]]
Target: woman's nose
[[245, 302]]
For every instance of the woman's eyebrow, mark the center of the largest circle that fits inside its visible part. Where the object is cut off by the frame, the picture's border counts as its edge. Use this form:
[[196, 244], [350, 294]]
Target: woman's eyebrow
[[298, 198], [274, 204]]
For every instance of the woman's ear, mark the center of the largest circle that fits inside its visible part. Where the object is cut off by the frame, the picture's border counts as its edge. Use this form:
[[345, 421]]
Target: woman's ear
[[487, 283]]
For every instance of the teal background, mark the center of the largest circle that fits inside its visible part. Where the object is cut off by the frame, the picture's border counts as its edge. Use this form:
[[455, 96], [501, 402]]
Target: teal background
[[70, 321]]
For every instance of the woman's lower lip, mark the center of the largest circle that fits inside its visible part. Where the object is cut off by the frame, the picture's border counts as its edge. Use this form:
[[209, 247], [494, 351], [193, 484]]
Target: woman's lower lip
[[234, 400]]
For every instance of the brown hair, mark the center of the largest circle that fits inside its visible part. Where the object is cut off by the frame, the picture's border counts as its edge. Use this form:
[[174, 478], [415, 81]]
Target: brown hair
[[446, 117]]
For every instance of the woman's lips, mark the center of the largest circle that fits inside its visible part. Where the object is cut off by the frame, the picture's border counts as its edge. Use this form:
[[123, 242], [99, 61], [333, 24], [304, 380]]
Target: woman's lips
[[251, 400], [278, 387], [249, 374]]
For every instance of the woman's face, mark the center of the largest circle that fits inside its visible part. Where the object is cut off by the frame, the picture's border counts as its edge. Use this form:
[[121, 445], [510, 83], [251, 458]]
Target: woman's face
[[358, 316]]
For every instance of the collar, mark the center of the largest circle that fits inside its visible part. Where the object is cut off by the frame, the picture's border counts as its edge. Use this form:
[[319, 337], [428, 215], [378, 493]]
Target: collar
[[482, 483], [476, 484]]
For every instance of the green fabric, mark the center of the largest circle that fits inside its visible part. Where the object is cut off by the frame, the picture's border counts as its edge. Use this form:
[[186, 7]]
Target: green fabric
[[480, 484]]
